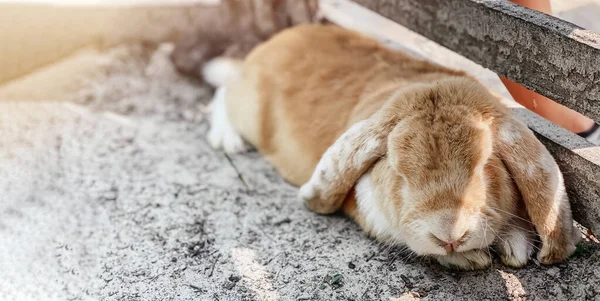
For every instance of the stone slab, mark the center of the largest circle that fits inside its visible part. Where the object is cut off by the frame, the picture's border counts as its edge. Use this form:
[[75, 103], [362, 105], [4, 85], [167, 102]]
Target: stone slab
[[546, 54]]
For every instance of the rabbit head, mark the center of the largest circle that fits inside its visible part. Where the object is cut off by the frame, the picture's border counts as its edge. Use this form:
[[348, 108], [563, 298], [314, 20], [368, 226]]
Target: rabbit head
[[458, 161], [448, 163], [447, 197]]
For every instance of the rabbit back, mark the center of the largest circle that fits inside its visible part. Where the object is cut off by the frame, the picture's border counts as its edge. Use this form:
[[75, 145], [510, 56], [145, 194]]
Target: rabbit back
[[304, 87]]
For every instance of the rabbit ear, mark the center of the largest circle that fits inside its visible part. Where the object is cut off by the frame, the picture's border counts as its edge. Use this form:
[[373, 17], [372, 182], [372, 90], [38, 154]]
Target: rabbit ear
[[540, 182], [346, 160]]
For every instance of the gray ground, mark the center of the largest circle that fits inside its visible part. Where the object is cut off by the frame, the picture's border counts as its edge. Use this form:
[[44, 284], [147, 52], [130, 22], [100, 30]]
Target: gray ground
[[117, 196]]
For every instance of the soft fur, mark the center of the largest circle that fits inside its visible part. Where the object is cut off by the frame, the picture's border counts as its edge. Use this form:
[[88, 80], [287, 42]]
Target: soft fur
[[416, 153]]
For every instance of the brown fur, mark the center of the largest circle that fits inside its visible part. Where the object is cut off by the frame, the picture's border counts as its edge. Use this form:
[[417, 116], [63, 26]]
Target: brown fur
[[426, 126], [293, 111]]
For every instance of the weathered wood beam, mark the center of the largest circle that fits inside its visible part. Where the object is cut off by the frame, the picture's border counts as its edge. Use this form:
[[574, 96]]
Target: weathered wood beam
[[548, 55]]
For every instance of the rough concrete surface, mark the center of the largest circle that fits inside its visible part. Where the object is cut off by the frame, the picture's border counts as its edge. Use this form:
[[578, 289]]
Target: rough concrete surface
[[117, 196]]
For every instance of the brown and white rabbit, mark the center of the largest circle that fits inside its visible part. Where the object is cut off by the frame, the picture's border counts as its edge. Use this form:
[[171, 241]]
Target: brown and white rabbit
[[416, 153]]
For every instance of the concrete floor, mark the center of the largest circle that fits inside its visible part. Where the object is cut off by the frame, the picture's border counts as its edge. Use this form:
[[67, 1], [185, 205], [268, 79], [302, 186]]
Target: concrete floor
[[115, 195]]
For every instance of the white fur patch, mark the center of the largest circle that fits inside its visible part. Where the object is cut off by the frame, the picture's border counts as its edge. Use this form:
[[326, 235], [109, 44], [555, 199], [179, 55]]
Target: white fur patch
[[515, 247], [222, 134], [521, 247], [219, 71], [308, 191], [508, 133], [368, 200]]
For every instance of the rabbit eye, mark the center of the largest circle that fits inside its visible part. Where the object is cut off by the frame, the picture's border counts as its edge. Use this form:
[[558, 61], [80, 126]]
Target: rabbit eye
[[465, 236], [436, 239]]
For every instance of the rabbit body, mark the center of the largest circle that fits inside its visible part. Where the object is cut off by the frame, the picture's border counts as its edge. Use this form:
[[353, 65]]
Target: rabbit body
[[309, 85], [414, 152]]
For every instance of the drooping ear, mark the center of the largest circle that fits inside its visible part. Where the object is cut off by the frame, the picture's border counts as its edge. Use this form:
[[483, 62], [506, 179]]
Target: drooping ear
[[346, 160], [540, 182]]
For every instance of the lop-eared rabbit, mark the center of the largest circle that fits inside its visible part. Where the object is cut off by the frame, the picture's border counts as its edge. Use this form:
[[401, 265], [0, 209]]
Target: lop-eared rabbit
[[417, 154]]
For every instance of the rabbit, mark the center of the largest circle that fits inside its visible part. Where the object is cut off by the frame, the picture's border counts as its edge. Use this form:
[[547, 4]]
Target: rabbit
[[417, 154]]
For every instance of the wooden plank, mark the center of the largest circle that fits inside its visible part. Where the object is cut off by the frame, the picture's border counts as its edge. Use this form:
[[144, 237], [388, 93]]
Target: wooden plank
[[550, 56]]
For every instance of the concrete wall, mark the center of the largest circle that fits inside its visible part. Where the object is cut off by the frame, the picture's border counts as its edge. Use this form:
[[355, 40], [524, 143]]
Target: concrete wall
[[33, 35]]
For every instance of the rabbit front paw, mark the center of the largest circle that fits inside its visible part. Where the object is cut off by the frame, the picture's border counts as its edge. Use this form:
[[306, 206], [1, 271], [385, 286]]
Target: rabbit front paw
[[222, 134], [316, 199], [555, 253], [515, 248]]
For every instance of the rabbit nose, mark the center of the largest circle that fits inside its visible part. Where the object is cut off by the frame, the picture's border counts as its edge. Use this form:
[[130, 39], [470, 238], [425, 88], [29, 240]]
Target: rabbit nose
[[451, 246]]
